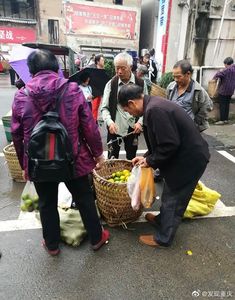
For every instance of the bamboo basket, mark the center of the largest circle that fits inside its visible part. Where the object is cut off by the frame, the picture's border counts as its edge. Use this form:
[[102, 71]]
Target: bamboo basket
[[213, 88], [13, 163], [113, 200], [156, 90]]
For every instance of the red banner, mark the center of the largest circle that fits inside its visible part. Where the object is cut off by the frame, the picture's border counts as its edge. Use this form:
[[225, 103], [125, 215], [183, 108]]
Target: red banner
[[93, 20], [17, 35]]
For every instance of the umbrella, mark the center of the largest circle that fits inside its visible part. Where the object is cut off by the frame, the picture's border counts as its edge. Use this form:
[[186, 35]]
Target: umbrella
[[18, 61], [98, 79]]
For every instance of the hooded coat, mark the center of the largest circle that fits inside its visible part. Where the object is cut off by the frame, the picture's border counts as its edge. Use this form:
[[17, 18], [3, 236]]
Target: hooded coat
[[75, 115]]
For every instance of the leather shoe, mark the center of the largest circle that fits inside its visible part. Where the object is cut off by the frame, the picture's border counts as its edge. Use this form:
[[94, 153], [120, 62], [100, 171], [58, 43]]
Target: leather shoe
[[148, 240], [104, 240], [152, 219]]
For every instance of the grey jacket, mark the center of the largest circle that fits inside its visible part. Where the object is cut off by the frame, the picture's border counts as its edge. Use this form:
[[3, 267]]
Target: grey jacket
[[201, 104]]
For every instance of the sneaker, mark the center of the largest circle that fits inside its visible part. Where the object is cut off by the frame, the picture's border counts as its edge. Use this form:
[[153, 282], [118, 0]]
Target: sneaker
[[104, 240], [220, 123], [51, 252], [226, 121]]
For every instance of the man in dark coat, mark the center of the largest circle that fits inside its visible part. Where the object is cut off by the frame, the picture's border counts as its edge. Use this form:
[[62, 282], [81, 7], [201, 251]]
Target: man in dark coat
[[176, 147]]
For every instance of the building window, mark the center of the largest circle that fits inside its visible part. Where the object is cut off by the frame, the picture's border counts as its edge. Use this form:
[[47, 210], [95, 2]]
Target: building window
[[118, 2], [53, 31], [17, 9]]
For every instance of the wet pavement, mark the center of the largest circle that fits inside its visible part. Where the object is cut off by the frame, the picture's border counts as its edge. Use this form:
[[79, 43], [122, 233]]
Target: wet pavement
[[123, 269]]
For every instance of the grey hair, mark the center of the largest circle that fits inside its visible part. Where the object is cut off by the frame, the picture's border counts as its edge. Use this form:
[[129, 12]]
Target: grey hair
[[142, 68], [124, 56]]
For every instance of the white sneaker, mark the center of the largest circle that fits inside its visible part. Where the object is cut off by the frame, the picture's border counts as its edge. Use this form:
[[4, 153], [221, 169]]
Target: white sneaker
[[220, 123]]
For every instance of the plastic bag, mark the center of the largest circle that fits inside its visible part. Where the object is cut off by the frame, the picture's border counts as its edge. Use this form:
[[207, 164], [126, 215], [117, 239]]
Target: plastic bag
[[72, 230], [64, 196], [29, 198], [147, 187], [141, 187], [133, 187], [202, 202]]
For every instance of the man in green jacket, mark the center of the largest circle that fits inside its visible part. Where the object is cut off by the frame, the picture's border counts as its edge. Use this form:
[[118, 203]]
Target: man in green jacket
[[189, 94]]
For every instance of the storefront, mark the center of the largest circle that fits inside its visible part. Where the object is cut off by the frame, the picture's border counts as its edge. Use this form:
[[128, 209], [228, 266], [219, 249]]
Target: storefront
[[16, 35]]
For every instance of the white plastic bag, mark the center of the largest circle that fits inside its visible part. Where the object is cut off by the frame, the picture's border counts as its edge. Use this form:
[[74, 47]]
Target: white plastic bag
[[133, 187], [29, 198], [64, 196]]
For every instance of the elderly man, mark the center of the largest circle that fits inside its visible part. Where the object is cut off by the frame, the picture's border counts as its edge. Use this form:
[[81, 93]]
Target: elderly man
[[189, 94], [119, 122], [177, 148]]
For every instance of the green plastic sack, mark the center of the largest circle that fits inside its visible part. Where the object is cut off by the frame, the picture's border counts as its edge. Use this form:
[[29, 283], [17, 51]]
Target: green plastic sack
[[202, 202], [72, 230]]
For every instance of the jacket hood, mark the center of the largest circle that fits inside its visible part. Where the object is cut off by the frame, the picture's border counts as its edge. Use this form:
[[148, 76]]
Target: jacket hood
[[44, 88]]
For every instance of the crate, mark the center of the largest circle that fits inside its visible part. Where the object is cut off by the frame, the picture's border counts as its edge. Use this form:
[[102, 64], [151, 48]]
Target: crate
[[6, 121]]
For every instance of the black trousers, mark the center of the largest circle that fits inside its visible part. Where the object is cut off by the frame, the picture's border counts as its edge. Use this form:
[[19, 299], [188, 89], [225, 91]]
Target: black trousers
[[83, 196], [224, 102], [173, 205], [130, 145], [12, 76]]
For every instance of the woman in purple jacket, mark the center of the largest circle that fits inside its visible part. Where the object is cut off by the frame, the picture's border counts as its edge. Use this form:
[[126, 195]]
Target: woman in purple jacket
[[83, 133]]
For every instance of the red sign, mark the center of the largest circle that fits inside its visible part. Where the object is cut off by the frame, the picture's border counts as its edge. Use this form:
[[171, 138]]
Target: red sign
[[84, 19], [17, 35]]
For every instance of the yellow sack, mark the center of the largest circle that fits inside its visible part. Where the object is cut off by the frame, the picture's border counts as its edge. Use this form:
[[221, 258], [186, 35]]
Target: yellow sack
[[202, 202], [147, 187]]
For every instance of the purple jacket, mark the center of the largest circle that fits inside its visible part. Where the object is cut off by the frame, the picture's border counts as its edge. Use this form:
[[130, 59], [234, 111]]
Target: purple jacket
[[75, 115], [227, 81]]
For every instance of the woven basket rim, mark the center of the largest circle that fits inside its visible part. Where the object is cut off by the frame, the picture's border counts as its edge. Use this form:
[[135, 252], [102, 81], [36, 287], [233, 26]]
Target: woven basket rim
[[5, 149], [111, 160]]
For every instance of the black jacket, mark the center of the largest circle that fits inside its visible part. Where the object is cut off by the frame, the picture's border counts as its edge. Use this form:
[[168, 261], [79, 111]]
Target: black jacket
[[174, 143]]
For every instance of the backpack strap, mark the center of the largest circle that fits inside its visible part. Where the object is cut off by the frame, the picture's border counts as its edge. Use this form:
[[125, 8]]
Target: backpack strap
[[59, 98]]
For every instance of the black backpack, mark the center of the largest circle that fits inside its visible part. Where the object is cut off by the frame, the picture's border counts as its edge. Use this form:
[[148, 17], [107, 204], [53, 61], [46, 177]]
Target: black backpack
[[50, 157]]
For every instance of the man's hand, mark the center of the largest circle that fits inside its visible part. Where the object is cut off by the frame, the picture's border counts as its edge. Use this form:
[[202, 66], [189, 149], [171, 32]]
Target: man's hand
[[99, 161], [137, 160], [137, 128], [113, 129], [140, 161], [143, 163]]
